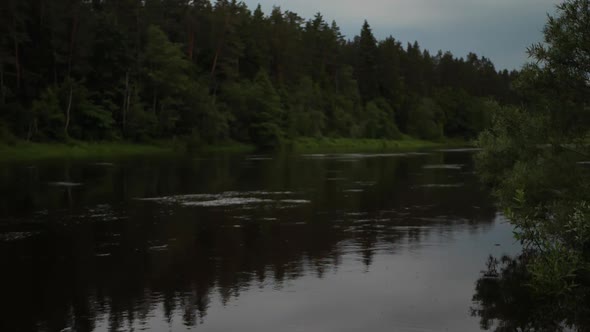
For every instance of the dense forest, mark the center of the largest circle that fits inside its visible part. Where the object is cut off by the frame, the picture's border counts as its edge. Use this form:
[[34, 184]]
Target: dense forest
[[210, 72]]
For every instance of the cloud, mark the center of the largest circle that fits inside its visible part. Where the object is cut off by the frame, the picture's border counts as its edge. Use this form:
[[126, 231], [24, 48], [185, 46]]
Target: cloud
[[498, 29]]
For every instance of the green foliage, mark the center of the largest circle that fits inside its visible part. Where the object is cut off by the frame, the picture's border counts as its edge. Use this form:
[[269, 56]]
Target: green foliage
[[140, 122], [504, 301], [426, 120], [49, 116], [323, 145], [305, 111], [465, 116], [532, 155], [163, 69], [265, 129], [89, 121], [257, 111], [380, 121], [6, 136]]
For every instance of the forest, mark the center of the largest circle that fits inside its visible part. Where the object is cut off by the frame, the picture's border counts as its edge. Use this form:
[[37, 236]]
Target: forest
[[108, 70]]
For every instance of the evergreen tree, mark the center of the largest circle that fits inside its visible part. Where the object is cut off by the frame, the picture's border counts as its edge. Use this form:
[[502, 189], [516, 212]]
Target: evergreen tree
[[195, 69], [366, 65]]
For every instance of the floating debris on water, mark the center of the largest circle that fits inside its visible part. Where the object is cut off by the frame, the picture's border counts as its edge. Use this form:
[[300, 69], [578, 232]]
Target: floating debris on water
[[443, 166], [460, 150], [441, 185], [230, 198], [103, 212], [353, 156], [258, 158], [159, 248], [354, 190], [365, 183], [65, 184], [295, 201], [228, 201], [16, 236]]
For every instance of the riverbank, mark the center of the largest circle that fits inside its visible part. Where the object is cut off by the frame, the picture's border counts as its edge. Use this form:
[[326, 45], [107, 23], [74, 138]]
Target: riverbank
[[310, 145], [78, 149]]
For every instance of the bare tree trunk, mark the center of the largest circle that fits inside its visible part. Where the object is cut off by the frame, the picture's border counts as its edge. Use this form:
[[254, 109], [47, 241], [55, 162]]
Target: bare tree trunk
[[191, 45], [219, 46], [54, 54], [2, 89], [155, 101], [30, 131], [138, 37], [33, 128], [126, 100], [72, 43], [127, 110], [16, 55], [54, 67], [68, 110], [214, 67]]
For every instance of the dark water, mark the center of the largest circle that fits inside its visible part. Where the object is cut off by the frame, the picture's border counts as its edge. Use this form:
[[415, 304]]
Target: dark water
[[357, 242]]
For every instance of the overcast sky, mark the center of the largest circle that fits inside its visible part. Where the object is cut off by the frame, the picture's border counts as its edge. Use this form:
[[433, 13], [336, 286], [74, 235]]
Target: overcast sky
[[498, 29]]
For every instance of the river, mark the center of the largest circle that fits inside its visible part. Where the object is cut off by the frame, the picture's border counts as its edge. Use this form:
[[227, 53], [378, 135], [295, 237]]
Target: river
[[317, 242]]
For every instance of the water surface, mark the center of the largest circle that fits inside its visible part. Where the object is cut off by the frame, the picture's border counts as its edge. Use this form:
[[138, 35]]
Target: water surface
[[322, 242]]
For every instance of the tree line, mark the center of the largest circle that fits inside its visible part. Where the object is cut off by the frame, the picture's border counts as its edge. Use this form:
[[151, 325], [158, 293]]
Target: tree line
[[211, 72]]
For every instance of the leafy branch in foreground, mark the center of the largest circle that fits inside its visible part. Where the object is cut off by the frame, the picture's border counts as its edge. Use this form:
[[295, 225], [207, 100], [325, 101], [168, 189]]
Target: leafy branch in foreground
[[535, 156]]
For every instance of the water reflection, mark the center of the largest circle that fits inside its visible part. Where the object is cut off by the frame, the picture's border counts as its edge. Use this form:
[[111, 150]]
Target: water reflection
[[504, 302], [161, 244]]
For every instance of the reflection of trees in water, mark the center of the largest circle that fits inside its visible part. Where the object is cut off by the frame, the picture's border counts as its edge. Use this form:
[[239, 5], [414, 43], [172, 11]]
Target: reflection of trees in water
[[507, 303], [174, 261], [76, 288]]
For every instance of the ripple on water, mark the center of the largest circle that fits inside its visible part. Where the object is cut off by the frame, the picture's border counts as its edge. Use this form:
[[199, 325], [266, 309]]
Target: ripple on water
[[231, 198]]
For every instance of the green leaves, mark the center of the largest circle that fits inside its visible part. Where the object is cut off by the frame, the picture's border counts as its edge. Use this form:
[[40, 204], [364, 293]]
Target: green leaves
[[531, 154]]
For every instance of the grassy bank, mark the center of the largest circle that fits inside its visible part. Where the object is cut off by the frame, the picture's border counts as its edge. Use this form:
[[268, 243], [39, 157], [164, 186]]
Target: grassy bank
[[310, 145], [22, 151], [78, 150]]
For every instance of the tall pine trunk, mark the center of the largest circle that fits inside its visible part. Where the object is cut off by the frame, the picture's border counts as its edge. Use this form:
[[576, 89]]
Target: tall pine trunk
[[68, 110], [16, 54], [2, 89], [72, 42], [155, 102], [125, 101], [191, 44]]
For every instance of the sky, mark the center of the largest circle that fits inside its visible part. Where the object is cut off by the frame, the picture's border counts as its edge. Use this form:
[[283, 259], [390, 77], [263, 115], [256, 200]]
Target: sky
[[500, 30]]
